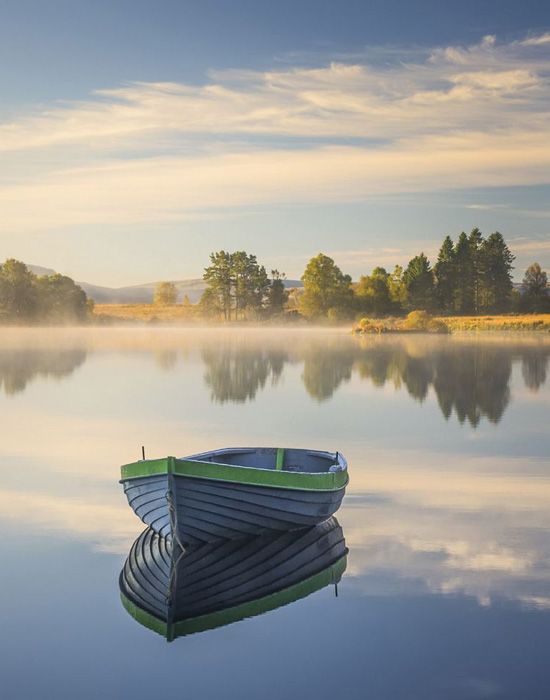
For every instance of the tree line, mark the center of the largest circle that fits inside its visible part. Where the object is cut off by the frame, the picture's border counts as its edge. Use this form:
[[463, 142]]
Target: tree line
[[29, 298], [471, 276]]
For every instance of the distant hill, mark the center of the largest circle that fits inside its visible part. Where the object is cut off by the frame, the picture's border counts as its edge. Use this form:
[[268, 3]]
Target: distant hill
[[41, 270], [141, 293]]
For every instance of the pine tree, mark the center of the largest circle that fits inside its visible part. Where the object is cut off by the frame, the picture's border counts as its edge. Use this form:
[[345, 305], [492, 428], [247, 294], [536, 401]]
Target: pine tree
[[418, 278], [475, 239], [464, 271], [218, 277], [445, 275], [236, 282], [496, 278]]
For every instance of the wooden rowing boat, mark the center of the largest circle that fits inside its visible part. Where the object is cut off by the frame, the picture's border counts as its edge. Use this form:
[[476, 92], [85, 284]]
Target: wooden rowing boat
[[235, 492]]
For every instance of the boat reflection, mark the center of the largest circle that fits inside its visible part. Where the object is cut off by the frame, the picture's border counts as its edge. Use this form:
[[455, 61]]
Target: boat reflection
[[179, 592]]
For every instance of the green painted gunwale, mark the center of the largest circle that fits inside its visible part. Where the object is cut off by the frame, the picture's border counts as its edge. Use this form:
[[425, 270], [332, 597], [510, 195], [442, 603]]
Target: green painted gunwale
[[331, 574], [307, 481]]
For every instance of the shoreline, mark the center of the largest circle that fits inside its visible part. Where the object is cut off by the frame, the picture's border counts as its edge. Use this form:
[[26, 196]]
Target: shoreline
[[150, 314]]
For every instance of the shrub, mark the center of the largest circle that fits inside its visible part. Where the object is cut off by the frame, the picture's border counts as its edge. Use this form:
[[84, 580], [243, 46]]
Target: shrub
[[417, 321], [369, 325]]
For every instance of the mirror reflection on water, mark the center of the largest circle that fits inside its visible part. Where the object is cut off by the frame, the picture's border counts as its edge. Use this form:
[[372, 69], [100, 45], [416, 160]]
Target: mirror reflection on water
[[178, 591], [446, 515]]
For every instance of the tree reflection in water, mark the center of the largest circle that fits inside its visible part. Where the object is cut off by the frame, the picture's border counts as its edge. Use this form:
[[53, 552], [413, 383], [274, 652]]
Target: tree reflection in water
[[534, 366], [470, 377], [326, 366], [235, 372], [473, 381], [19, 366]]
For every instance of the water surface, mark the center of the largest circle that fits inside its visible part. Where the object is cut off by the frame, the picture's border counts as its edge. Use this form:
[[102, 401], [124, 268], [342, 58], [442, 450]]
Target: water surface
[[447, 518]]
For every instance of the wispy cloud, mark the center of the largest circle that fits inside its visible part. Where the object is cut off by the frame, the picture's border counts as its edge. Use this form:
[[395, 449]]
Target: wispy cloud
[[539, 40], [377, 256], [531, 246], [486, 207], [450, 117]]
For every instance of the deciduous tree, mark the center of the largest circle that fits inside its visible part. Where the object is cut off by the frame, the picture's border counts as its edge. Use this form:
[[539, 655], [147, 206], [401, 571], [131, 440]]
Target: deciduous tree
[[60, 300], [18, 296], [536, 294], [373, 293], [325, 287], [166, 294], [277, 294]]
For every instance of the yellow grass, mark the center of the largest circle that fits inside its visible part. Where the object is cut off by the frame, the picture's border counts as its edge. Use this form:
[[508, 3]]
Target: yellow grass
[[146, 313], [513, 322], [141, 312]]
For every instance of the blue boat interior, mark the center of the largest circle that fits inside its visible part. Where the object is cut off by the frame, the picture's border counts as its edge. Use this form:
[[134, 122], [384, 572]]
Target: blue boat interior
[[289, 460]]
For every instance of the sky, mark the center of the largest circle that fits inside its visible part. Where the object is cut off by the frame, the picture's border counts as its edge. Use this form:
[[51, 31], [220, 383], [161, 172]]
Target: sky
[[137, 137]]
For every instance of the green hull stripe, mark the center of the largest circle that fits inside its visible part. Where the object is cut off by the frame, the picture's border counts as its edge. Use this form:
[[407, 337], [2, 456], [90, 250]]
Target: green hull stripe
[[224, 617], [143, 617], [280, 459], [325, 481]]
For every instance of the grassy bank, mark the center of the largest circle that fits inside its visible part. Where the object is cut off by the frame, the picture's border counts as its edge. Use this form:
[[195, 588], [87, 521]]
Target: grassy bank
[[512, 322], [421, 322], [141, 313], [151, 313]]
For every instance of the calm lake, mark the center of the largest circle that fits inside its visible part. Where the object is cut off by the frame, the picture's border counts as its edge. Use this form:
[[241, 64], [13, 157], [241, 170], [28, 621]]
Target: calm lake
[[446, 593]]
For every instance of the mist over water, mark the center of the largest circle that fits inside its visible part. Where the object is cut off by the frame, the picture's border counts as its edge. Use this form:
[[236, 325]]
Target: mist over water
[[446, 515]]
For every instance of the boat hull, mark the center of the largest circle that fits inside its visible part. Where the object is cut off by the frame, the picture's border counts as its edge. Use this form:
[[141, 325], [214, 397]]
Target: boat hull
[[206, 510]]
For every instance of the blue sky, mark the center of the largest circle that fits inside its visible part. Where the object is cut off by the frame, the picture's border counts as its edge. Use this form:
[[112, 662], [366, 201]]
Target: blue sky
[[136, 137]]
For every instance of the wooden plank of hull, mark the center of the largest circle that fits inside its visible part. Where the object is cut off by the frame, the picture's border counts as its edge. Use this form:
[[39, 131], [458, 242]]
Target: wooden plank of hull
[[147, 497], [173, 586], [209, 510], [212, 510]]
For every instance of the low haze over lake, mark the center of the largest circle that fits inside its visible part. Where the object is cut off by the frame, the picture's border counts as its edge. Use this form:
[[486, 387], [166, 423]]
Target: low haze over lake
[[447, 588]]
